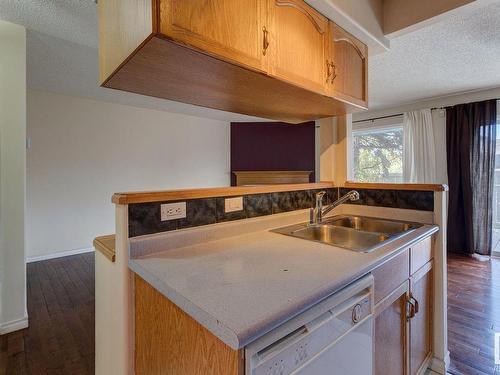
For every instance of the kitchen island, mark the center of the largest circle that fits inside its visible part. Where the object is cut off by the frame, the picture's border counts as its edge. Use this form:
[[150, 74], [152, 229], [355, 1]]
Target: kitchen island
[[203, 294]]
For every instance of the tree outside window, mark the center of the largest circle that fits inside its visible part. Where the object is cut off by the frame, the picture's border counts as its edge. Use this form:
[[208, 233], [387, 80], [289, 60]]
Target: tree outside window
[[378, 155]]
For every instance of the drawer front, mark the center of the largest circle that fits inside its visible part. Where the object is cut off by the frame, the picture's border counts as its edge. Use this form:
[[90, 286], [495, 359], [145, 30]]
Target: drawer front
[[391, 275], [420, 254]]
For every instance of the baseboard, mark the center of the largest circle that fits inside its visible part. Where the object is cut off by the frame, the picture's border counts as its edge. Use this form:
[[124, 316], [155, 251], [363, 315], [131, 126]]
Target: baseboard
[[59, 255], [14, 325], [480, 257], [440, 366]]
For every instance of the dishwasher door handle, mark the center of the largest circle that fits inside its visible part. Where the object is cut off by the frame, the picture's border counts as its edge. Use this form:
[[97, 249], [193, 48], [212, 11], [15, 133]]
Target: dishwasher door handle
[[287, 340]]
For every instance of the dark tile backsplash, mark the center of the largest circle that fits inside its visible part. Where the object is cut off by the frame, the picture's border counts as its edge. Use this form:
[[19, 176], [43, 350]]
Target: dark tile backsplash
[[291, 200], [416, 200], [258, 205], [198, 212], [144, 218], [408, 199]]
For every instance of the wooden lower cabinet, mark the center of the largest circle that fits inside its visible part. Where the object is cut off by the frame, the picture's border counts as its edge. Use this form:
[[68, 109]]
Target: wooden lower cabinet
[[421, 290], [169, 342], [403, 321], [391, 333]]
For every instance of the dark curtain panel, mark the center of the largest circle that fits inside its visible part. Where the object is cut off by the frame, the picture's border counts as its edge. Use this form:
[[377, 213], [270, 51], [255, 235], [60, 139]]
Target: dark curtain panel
[[470, 144]]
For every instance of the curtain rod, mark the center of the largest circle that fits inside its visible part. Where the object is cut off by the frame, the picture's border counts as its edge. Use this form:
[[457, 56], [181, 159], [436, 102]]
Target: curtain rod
[[389, 116]]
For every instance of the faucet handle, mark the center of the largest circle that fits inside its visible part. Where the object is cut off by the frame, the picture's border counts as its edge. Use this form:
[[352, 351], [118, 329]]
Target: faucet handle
[[319, 198], [354, 195]]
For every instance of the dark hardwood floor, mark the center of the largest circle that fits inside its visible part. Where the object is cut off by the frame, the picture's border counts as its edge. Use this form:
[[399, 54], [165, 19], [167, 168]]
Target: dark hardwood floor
[[60, 339], [473, 314]]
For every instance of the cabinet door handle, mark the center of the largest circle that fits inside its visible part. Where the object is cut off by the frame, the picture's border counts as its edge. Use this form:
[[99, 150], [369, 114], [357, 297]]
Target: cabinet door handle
[[328, 70], [410, 311], [334, 72], [415, 303], [413, 307], [265, 40]]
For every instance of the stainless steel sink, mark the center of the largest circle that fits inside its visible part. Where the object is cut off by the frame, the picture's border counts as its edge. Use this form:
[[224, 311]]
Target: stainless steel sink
[[357, 233], [370, 224]]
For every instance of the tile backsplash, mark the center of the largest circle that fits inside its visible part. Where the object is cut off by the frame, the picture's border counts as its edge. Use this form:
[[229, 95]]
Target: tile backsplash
[[144, 218], [408, 199]]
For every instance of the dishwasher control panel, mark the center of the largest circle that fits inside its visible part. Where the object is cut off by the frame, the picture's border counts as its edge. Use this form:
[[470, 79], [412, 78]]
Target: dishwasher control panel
[[324, 342]]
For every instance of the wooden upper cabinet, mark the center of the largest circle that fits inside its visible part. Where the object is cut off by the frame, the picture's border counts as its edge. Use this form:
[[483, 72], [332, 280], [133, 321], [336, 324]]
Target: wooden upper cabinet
[[349, 58], [229, 29], [298, 41], [264, 58]]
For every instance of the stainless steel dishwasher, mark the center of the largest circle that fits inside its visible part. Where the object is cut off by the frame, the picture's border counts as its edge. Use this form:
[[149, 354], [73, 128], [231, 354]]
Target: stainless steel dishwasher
[[333, 337]]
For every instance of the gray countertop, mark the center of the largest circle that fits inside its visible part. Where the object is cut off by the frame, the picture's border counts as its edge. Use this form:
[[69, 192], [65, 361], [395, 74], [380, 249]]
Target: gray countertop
[[241, 286]]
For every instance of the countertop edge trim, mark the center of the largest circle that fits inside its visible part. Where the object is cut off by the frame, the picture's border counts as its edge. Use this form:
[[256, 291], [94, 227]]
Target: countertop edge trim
[[228, 191], [102, 245], [396, 186]]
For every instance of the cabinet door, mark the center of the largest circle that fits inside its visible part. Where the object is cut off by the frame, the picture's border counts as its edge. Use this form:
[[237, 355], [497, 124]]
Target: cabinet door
[[228, 29], [421, 323], [350, 61], [391, 333], [298, 38]]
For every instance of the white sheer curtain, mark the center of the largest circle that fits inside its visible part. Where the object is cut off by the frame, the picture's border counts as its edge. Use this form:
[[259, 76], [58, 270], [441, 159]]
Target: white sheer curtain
[[419, 147]]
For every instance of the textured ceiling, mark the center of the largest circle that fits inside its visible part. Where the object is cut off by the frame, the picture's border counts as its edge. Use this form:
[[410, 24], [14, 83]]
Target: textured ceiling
[[458, 54], [73, 20]]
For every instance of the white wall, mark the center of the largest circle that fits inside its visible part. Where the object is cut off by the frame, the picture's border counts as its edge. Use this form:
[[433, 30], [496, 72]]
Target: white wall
[[82, 151], [12, 177]]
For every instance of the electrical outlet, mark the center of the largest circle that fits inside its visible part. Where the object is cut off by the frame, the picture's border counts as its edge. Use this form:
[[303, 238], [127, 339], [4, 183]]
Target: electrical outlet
[[233, 204], [171, 211]]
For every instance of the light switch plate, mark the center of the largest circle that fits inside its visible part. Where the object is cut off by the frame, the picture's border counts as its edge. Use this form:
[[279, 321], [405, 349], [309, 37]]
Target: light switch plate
[[233, 204], [171, 211]]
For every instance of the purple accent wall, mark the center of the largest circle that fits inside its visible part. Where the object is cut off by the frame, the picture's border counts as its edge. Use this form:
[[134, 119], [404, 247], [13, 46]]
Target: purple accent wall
[[272, 146]]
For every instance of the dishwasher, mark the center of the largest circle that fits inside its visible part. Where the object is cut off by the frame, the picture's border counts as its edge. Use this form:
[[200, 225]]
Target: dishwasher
[[333, 337]]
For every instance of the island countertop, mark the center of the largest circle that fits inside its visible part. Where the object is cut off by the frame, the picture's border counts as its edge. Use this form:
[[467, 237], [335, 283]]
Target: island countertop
[[239, 280]]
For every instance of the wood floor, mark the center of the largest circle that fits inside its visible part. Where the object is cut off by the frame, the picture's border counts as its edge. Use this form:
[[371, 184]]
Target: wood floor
[[60, 339], [473, 314]]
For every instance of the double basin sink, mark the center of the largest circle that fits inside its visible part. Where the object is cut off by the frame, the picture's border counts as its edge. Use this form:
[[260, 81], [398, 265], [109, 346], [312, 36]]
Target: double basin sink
[[357, 233]]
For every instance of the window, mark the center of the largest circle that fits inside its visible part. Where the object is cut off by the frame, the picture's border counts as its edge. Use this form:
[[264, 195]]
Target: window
[[378, 154]]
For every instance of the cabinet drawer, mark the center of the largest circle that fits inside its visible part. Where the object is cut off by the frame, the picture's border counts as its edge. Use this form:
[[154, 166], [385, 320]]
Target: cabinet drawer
[[420, 254], [391, 274]]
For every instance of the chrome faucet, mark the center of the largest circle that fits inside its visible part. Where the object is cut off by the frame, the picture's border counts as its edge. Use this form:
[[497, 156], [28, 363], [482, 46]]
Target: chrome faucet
[[317, 213]]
